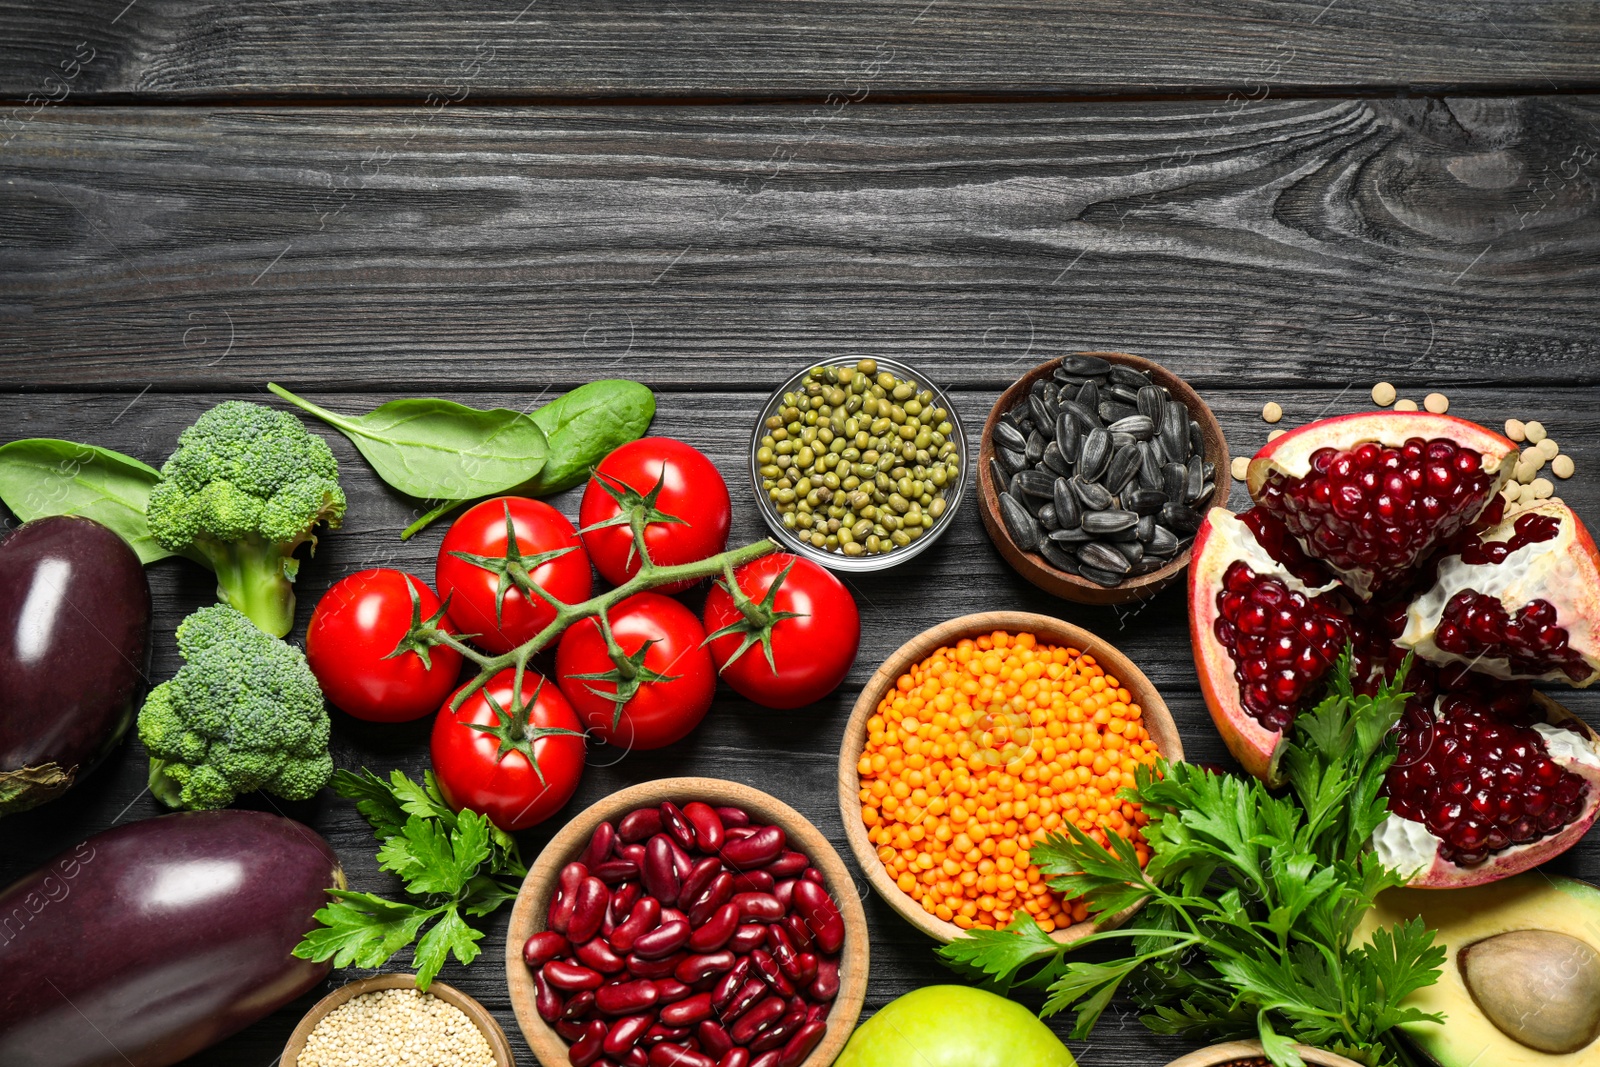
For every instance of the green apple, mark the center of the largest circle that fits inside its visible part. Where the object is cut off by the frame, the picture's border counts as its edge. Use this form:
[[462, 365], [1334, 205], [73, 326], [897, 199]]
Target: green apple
[[954, 1026]]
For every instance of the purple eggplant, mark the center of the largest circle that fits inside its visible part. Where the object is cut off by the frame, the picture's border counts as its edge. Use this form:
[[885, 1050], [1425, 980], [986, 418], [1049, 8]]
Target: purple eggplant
[[151, 941], [74, 647]]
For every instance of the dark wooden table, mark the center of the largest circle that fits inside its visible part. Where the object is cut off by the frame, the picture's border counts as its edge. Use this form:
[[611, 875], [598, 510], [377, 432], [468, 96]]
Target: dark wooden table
[[495, 202]]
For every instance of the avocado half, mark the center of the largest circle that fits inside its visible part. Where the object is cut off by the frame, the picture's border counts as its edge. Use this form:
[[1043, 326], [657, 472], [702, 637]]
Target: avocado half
[[1521, 985]]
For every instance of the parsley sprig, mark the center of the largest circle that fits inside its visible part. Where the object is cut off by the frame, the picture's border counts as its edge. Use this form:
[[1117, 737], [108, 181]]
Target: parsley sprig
[[1250, 901], [453, 864]]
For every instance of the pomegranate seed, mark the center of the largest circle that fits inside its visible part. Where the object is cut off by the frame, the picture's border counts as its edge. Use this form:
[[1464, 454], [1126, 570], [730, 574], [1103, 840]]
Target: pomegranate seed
[[1282, 642], [1476, 625]]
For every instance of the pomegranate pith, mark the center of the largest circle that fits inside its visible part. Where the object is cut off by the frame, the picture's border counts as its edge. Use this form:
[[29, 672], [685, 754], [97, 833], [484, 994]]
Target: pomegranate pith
[[1378, 511], [1282, 642]]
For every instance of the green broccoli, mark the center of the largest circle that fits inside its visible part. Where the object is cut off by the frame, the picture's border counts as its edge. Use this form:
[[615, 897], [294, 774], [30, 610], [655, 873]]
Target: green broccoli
[[243, 713], [245, 488]]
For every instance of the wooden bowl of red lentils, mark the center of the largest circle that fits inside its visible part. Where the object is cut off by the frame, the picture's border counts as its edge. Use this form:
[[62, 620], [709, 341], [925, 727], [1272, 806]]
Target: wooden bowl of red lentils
[[1249, 1054], [975, 740]]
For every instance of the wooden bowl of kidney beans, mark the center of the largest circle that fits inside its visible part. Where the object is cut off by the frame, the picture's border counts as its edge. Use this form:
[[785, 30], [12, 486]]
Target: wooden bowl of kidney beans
[[688, 922]]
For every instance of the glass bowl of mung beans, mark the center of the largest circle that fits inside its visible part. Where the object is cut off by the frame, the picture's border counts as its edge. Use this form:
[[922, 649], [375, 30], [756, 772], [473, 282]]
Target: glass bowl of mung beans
[[858, 464]]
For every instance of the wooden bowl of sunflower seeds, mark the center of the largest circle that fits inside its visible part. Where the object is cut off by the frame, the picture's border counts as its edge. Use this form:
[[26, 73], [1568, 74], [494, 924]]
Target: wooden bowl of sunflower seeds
[[1094, 472]]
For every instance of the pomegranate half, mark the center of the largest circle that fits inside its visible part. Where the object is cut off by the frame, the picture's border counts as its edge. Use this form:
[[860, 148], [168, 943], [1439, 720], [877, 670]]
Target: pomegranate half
[[1386, 532]]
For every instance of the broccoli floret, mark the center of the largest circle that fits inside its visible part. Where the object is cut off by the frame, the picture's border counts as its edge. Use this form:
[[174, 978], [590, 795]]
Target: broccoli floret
[[246, 487], [243, 713]]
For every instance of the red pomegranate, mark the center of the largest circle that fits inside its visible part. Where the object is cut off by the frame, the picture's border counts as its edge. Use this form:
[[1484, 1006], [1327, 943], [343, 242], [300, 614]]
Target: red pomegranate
[[1386, 532]]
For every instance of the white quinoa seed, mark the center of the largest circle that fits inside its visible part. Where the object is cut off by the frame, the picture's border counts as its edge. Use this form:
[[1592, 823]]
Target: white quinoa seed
[[1275, 434], [1383, 394], [1405, 405], [1272, 412], [1562, 466], [1535, 432], [396, 1026], [1437, 403], [1516, 430], [1548, 448], [1241, 468], [1542, 488]]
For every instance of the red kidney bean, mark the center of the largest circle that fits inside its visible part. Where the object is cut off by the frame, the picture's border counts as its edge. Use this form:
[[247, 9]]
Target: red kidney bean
[[543, 947], [722, 993], [669, 990], [682, 862], [698, 968], [818, 1013], [752, 990], [713, 1038], [805, 968], [570, 1030], [821, 914], [699, 877], [783, 952], [615, 872], [581, 1004], [799, 933], [735, 1057], [632, 852], [663, 941], [660, 876], [739, 833], [763, 964], [639, 825], [733, 816], [757, 850], [658, 1033], [641, 920], [588, 910], [708, 829], [623, 898], [668, 1055], [625, 1033], [814, 875], [546, 999], [762, 906], [597, 954], [753, 882], [564, 974], [588, 1048], [640, 967], [802, 1043], [767, 1059], [747, 937], [673, 915], [825, 986], [687, 1011], [714, 896], [676, 825], [789, 864], [636, 1057], [601, 842], [626, 998], [784, 891], [751, 1023], [567, 883], [715, 931], [779, 1032]]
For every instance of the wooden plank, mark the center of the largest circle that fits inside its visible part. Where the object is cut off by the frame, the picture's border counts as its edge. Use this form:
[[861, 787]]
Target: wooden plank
[[814, 49], [738, 740]]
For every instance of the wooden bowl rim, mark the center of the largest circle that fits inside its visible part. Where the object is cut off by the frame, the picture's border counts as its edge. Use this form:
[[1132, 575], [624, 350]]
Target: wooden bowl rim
[[1157, 717], [527, 914], [1071, 586], [475, 1011], [1228, 1052]]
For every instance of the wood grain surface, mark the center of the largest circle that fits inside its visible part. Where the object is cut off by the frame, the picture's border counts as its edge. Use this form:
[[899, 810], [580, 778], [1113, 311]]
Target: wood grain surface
[[799, 48], [198, 248], [792, 754]]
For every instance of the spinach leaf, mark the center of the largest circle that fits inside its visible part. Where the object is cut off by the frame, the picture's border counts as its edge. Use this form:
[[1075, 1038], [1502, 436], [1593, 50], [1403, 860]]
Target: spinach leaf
[[437, 449], [586, 425], [42, 476]]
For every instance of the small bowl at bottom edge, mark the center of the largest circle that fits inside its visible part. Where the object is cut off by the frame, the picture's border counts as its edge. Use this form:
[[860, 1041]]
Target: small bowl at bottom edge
[[1232, 1051], [449, 994]]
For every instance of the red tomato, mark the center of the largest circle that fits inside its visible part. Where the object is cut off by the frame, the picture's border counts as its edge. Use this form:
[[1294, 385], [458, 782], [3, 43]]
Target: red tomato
[[679, 482], [518, 771], [489, 594], [355, 627], [674, 679], [812, 648]]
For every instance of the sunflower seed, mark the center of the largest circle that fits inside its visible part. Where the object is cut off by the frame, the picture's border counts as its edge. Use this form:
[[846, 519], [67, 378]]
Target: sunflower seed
[[1087, 418], [1146, 565], [1035, 449], [1124, 465], [1109, 579], [1197, 440], [1144, 501], [1073, 535], [1066, 503], [1146, 529], [1047, 517], [1052, 392], [1014, 486], [1150, 476], [1109, 521], [1035, 484], [1132, 551], [1023, 526], [1163, 542], [1017, 416], [1150, 403], [1054, 461], [1112, 410], [998, 474], [1058, 557], [1139, 427], [1174, 480], [1094, 497], [1066, 429], [1070, 381], [1206, 491], [1088, 366], [1043, 413], [1184, 520], [1012, 461], [1037, 388], [1124, 375], [1094, 454], [1089, 395], [1123, 394], [1196, 479], [1008, 436], [1159, 450], [1211, 471], [1104, 557], [1175, 433]]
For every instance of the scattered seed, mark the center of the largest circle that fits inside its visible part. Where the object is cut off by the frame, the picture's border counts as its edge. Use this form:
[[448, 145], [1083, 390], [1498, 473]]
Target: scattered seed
[[1516, 430], [1512, 491], [1275, 434], [1437, 403], [1562, 466], [1383, 394], [1272, 412], [1405, 405], [1241, 468], [1548, 448], [1535, 432], [1542, 488]]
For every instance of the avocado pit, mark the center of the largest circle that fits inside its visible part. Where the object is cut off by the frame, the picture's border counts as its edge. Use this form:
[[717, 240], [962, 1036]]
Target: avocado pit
[[1539, 987]]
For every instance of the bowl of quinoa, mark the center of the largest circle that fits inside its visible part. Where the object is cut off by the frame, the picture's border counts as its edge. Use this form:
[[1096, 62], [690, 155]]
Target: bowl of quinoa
[[386, 1022]]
